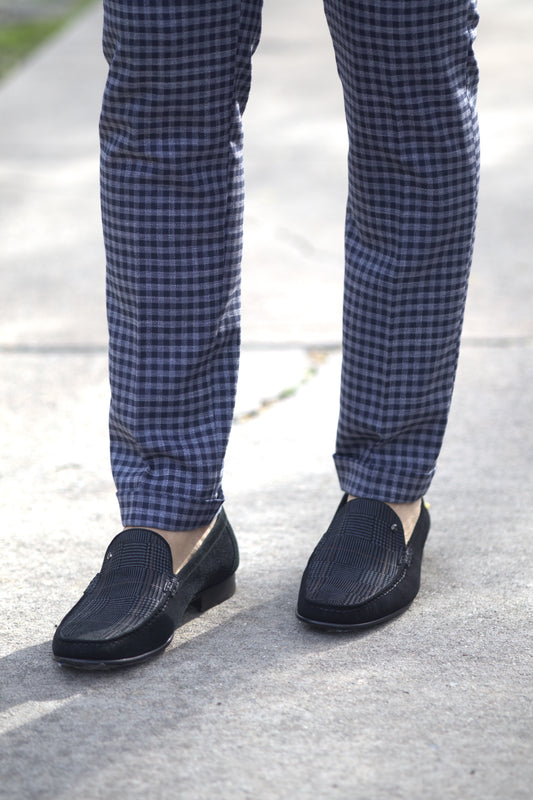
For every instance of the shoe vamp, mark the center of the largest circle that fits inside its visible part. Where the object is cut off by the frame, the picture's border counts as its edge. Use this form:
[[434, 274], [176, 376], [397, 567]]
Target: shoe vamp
[[360, 553], [115, 607], [351, 572]]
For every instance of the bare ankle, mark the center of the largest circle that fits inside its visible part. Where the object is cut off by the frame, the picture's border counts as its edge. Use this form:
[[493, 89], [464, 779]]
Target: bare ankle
[[183, 544], [408, 514]]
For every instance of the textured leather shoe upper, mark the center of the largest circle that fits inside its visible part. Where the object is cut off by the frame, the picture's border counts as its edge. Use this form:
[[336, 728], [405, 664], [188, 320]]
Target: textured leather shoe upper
[[134, 604], [359, 556], [135, 576], [361, 571]]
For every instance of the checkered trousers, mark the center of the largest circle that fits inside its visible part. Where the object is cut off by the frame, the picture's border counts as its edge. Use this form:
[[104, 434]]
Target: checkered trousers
[[172, 198], [410, 80], [172, 203]]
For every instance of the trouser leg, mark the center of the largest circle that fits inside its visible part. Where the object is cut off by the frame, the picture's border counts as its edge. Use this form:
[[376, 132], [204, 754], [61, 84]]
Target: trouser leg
[[172, 199], [409, 79]]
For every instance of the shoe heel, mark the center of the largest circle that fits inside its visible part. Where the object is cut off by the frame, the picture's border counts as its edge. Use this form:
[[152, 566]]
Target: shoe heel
[[215, 594]]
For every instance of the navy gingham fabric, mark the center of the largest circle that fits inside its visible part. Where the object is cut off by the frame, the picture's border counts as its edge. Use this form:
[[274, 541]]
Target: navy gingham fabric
[[410, 81], [172, 201]]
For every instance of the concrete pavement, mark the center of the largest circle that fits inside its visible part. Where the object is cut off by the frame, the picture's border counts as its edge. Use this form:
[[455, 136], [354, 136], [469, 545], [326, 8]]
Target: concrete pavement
[[247, 703]]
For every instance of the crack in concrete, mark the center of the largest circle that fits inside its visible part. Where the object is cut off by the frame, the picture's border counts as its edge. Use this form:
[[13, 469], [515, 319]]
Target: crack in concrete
[[316, 359], [317, 355]]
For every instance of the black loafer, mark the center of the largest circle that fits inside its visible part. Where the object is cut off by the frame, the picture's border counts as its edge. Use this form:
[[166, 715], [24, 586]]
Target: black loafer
[[130, 610], [362, 572]]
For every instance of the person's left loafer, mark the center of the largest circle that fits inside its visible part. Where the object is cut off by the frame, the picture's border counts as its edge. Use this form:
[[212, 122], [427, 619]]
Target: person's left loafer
[[130, 610], [361, 572]]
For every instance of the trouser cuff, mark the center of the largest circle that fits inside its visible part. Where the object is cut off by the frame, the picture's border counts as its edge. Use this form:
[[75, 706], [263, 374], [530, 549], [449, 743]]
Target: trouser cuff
[[167, 512]]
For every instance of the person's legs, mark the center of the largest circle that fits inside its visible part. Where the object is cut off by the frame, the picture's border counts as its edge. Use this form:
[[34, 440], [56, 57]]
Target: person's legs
[[409, 78], [172, 202]]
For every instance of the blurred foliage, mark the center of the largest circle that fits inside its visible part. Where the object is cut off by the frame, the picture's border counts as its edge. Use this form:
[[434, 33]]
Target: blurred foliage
[[23, 27]]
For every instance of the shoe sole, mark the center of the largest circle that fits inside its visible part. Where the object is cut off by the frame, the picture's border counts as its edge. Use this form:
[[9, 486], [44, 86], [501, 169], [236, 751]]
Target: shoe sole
[[203, 601], [102, 665], [340, 627]]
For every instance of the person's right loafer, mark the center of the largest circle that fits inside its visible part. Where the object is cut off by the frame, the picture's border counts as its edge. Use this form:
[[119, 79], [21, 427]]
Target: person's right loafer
[[131, 609], [361, 572]]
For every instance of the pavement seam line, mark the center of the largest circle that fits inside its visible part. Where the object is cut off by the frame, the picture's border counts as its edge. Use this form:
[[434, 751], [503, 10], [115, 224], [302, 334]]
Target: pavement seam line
[[324, 347]]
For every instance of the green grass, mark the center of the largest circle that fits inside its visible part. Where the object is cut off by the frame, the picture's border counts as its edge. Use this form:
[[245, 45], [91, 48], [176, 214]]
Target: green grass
[[18, 39]]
